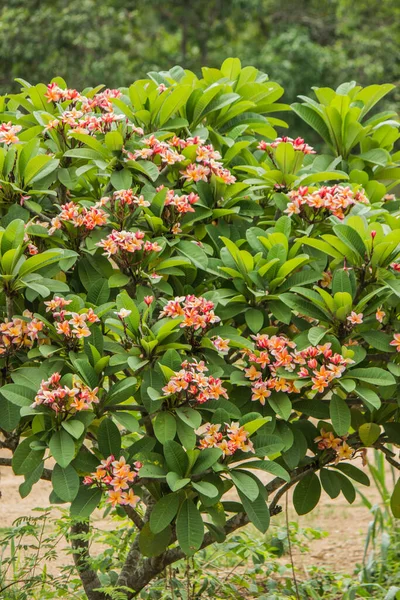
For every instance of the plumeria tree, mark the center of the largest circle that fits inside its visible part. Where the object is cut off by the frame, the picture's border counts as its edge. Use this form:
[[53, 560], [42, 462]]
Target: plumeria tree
[[193, 305]]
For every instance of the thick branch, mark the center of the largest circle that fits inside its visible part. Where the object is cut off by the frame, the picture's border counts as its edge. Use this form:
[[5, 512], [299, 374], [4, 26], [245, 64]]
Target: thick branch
[[82, 560], [134, 517]]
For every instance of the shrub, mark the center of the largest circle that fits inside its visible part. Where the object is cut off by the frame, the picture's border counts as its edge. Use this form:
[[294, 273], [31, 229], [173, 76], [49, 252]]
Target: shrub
[[191, 301]]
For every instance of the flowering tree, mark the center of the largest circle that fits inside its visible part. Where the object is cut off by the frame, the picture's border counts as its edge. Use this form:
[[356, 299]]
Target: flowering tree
[[190, 301]]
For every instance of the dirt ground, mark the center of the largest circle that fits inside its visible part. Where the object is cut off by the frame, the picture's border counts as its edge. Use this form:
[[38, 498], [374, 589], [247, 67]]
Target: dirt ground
[[341, 520]]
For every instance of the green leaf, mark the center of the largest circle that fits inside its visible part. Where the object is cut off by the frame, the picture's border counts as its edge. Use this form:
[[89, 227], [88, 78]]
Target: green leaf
[[270, 467], [340, 415], [371, 398], [133, 320], [189, 416], [306, 494], [369, 433], [175, 482], [330, 482], [266, 445], [38, 167], [280, 404], [206, 459], [395, 500], [257, 511], [24, 459], [164, 427], [114, 141], [13, 236], [245, 484], [353, 472], [347, 488], [189, 528], [39, 261], [153, 544], [163, 512], [379, 340], [206, 488], [255, 424], [62, 447], [196, 255], [174, 102], [85, 502], [127, 420], [74, 428], [65, 482], [254, 319], [9, 414], [351, 238], [176, 457], [99, 293], [316, 334], [18, 394], [373, 375], [109, 438]]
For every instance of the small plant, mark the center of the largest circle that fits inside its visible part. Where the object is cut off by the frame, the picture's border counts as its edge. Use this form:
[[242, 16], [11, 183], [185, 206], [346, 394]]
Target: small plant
[[192, 305]]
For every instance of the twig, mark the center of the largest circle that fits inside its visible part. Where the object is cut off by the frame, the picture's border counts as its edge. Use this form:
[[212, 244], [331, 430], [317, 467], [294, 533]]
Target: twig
[[290, 546], [388, 456]]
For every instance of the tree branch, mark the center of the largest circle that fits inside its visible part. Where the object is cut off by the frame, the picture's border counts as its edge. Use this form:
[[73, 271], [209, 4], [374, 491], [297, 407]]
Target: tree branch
[[388, 455], [7, 462], [134, 517]]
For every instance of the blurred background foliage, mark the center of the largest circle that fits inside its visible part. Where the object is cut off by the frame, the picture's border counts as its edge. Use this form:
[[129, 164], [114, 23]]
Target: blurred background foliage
[[299, 43]]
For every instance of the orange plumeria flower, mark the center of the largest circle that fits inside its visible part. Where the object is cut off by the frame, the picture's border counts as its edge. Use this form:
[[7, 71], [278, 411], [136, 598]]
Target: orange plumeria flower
[[396, 341]]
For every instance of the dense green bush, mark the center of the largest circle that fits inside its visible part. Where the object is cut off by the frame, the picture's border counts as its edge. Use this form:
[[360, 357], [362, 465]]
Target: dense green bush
[[189, 300]]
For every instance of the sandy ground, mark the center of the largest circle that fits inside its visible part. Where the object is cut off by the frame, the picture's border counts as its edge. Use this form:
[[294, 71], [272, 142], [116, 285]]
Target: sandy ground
[[342, 521]]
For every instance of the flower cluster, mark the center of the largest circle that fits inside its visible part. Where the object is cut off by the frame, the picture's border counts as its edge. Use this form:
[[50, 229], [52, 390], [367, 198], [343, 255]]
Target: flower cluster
[[202, 171], [19, 333], [207, 160], [79, 119], [317, 363], [79, 216], [197, 312], [229, 440], [182, 203], [8, 133], [334, 199], [167, 151], [70, 324], [116, 477], [127, 241], [191, 383], [298, 144], [63, 399], [128, 198], [327, 440]]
